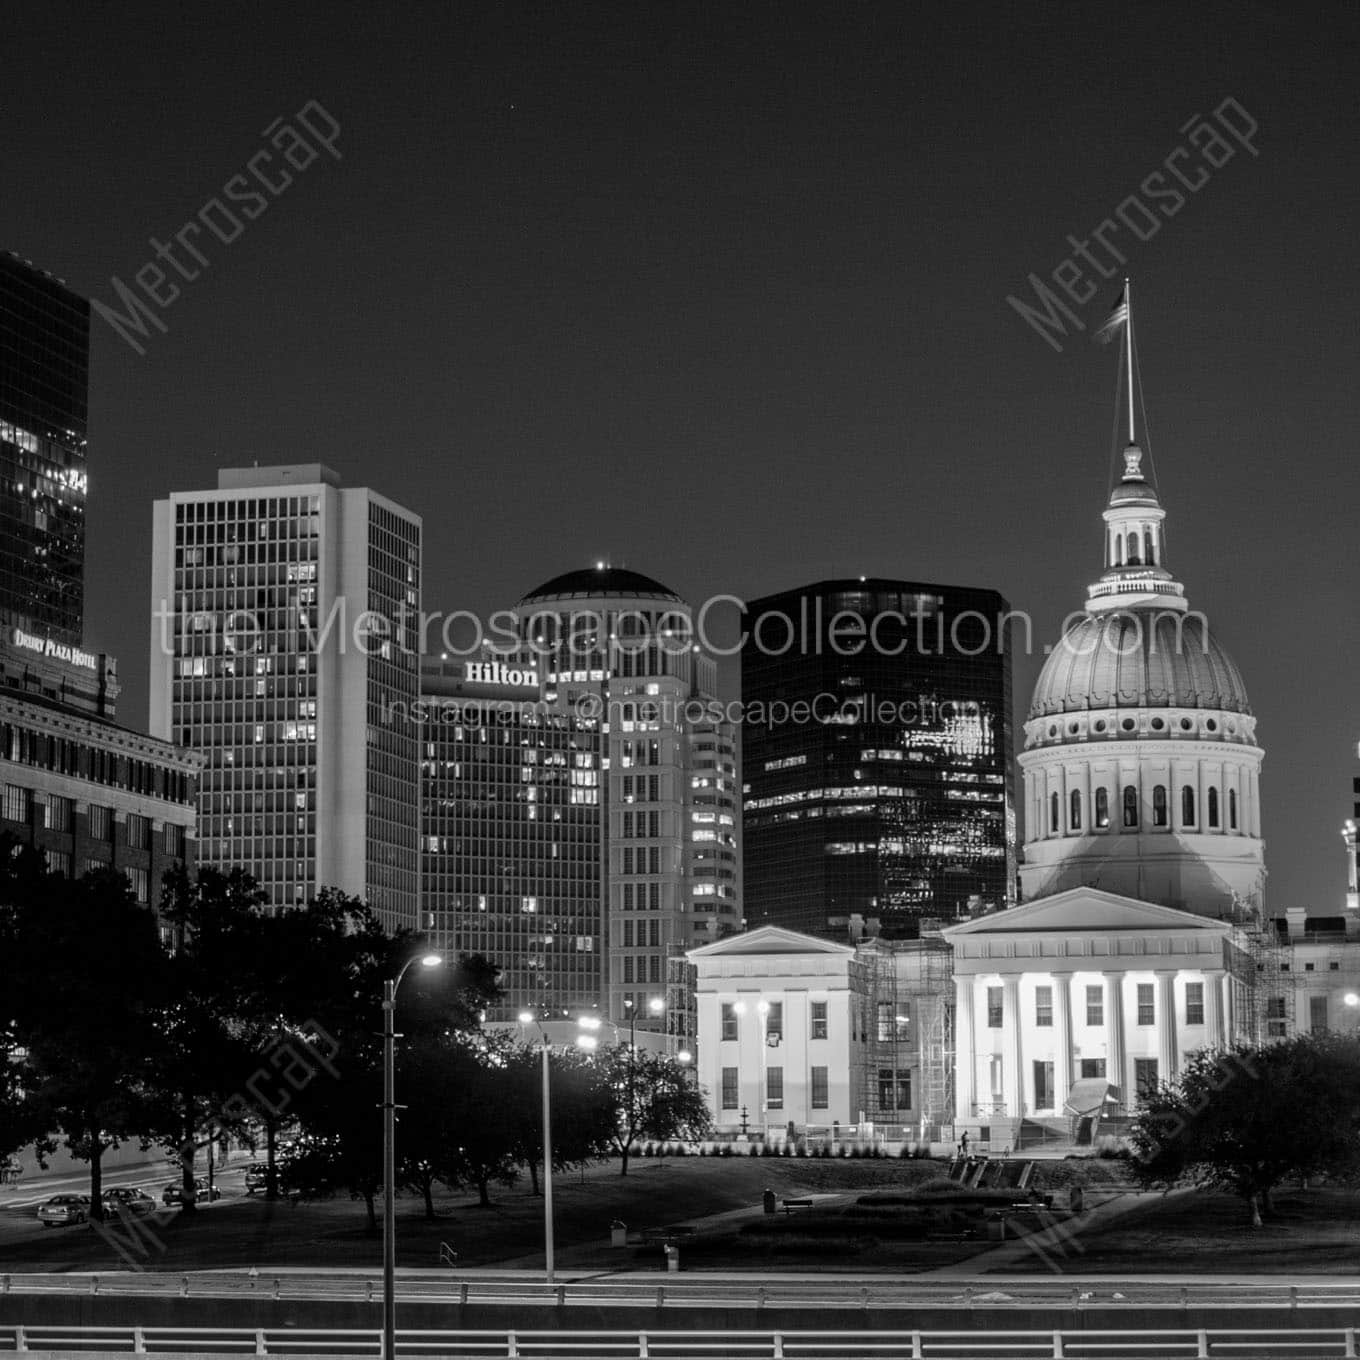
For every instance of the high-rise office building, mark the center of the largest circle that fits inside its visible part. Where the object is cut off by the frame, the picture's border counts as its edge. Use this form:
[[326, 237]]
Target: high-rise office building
[[44, 368], [88, 792], [877, 756], [1351, 836], [511, 861], [613, 645], [284, 606]]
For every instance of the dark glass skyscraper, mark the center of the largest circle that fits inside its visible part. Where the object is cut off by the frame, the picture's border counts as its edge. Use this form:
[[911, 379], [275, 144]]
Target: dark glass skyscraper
[[44, 372], [877, 756]]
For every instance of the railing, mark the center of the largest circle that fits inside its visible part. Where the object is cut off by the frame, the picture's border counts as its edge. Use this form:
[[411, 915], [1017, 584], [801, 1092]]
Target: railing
[[667, 1291], [694, 1345]]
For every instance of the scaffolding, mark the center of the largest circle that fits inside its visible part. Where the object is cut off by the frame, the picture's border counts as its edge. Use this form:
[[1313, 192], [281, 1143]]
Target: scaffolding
[[937, 1044], [1268, 992], [908, 1077]]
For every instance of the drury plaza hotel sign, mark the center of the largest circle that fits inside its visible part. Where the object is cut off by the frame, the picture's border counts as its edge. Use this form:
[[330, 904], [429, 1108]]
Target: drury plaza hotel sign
[[60, 651]]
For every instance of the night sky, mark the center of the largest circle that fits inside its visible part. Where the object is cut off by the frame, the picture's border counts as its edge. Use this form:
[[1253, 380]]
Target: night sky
[[719, 293]]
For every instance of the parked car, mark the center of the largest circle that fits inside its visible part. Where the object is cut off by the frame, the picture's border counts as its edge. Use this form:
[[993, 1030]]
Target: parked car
[[128, 1199], [257, 1178], [174, 1192], [64, 1209]]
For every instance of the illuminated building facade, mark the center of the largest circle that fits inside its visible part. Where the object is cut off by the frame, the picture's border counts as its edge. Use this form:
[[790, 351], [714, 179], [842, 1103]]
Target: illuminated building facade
[[44, 372], [511, 863], [607, 639], [89, 793], [280, 650], [877, 756]]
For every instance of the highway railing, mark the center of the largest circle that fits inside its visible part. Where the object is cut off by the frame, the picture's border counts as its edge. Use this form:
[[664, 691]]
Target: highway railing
[[296, 1343], [702, 1290]]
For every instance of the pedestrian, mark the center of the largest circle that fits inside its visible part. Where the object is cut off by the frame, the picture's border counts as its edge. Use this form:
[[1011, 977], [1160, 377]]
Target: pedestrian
[[963, 1145]]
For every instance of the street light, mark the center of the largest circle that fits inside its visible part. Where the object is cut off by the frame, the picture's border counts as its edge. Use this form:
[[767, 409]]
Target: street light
[[389, 1107], [528, 1018]]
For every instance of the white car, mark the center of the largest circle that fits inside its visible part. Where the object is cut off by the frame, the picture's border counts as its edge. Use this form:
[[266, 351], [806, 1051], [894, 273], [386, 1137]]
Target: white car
[[64, 1209]]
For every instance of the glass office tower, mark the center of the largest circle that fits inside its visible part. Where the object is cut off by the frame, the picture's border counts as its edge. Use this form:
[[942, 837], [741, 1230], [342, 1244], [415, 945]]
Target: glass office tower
[[877, 756], [44, 368]]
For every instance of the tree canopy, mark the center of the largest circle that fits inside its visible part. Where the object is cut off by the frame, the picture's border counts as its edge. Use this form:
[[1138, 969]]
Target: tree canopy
[[1245, 1118]]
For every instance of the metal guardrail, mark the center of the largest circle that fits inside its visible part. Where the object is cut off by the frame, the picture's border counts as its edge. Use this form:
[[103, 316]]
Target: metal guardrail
[[704, 1290], [691, 1345]]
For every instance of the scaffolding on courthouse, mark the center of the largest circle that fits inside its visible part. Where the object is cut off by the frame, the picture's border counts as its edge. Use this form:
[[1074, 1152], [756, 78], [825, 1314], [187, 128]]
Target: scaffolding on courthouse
[[907, 1087]]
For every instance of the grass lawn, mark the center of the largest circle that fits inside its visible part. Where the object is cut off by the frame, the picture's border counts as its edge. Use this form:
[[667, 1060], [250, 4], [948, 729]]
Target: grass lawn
[[1314, 1231], [656, 1192]]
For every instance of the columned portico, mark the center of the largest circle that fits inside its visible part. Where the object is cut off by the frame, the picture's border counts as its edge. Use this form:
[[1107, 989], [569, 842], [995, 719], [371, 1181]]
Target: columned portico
[[1090, 983]]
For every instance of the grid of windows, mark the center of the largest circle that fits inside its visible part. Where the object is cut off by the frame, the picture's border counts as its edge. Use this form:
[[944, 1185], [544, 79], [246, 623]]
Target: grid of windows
[[244, 681], [510, 852], [260, 637]]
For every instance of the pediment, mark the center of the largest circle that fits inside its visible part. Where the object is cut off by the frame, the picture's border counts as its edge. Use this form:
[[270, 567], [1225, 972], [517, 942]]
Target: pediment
[[768, 940], [1085, 909]]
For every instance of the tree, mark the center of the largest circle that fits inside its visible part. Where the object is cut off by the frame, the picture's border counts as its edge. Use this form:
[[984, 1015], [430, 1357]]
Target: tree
[[22, 871], [1245, 1118], [654, 1097], [208, 1022], [87, 979], [336, 957]]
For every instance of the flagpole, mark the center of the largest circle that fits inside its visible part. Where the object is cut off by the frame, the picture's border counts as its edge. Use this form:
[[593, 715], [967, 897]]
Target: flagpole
[[1128, 337]]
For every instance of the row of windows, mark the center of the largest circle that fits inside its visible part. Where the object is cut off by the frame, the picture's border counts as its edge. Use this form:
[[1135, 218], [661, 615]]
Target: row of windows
[[818, 1083], [95, 764], [773, 1013], [1101, 810], [1095, 1005], [245, 509], [650, 965], [53, 813]]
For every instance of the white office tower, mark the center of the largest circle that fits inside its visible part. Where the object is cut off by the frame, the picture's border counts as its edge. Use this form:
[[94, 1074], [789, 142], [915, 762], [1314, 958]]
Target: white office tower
[[283, 649]]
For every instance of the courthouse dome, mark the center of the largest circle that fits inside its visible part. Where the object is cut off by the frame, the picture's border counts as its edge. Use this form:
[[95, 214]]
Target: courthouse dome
[[614, 582], [1139, 659]]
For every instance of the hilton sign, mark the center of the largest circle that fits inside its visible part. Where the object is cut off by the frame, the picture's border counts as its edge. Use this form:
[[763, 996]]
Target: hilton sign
[[60, 651], [494, 673]]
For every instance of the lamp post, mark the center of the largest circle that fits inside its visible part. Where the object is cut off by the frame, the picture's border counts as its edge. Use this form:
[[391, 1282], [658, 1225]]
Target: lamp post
[[527, 1018], [655, 1005], [389, 1108]]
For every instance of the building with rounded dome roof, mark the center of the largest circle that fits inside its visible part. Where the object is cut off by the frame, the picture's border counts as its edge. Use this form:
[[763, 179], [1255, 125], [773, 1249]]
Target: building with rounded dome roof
[[1141, 768], [609, 659]]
